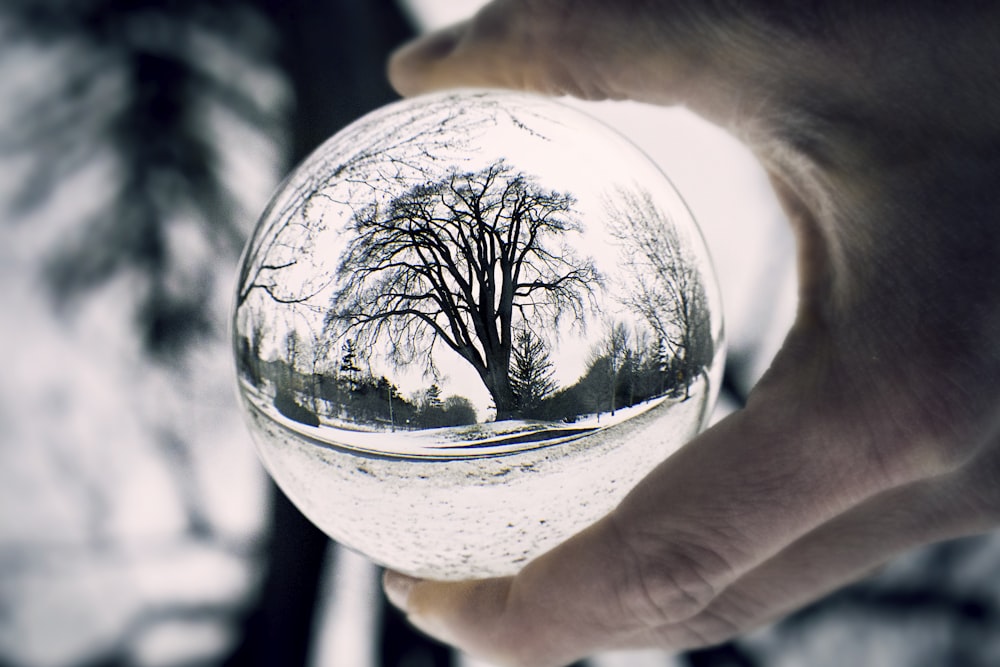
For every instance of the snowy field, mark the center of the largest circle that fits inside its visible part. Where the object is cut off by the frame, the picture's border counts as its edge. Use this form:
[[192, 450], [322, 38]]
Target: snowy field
[[443, 514]]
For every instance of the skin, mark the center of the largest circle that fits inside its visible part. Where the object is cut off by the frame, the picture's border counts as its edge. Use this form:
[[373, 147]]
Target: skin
[[877, 428]]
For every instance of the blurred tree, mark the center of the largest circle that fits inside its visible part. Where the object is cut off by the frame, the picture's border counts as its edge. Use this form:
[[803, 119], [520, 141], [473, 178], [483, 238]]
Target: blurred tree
[[333, 54], [152, 94], [138, 91]]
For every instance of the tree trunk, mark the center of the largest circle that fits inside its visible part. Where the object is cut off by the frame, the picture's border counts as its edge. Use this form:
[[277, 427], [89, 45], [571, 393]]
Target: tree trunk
[[334, 54], [498, 384]]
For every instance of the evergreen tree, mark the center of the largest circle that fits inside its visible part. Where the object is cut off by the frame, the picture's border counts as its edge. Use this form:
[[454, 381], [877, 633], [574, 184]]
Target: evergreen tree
[[531, 372], [433, 398], [348, 364]]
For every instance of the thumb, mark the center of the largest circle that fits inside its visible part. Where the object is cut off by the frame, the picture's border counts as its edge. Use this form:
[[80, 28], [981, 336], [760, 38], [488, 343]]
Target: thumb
[[589, 49], [559, 608]]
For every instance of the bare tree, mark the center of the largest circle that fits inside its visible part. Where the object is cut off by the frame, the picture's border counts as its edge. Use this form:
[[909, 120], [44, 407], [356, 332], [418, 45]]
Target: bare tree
[[459, 261], [664, 285], [611, 354], [369, 161], [292, 353]]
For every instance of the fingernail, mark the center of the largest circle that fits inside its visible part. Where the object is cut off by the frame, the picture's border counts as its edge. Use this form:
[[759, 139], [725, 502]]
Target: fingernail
[[397, 588]]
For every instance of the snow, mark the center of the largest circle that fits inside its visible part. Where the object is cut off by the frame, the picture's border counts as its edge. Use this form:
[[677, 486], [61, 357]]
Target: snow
[[479, 510]]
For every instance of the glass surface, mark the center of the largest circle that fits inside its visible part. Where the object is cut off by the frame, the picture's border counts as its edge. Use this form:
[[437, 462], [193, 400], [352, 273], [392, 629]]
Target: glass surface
[[467, 325]]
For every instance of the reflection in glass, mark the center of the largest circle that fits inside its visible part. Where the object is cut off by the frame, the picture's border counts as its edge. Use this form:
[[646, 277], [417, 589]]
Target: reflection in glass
[[467, 325]]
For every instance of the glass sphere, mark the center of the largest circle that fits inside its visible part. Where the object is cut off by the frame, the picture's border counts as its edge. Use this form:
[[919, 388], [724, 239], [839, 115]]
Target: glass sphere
[[467, 325]]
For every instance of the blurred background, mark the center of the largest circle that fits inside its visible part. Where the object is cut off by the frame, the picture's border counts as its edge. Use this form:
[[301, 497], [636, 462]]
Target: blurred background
[[139, 140]]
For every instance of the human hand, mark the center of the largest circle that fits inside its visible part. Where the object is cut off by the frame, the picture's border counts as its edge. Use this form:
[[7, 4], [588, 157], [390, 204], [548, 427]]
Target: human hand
[[877, 427]]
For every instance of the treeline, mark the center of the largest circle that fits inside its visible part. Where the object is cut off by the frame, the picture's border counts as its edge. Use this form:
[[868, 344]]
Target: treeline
[[351, 396], [626, 367], [611, 383]]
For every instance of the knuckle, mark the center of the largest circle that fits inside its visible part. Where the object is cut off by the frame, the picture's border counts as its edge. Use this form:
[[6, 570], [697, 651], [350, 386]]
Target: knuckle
[[977, 485], [933, 436], [729, 616], [665, 580], [707, 629]]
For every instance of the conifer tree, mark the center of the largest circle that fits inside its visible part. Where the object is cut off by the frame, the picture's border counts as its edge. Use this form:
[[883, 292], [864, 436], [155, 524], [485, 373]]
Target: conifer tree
[[531, 372]]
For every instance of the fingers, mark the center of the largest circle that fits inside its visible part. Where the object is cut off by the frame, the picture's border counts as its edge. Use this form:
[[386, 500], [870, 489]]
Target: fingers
[[507, 44], [561, 607], [839, 552], [596, 592]]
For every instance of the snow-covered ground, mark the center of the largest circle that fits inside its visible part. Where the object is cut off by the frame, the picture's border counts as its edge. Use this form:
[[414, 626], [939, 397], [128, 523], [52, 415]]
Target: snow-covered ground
[[447, 514]]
